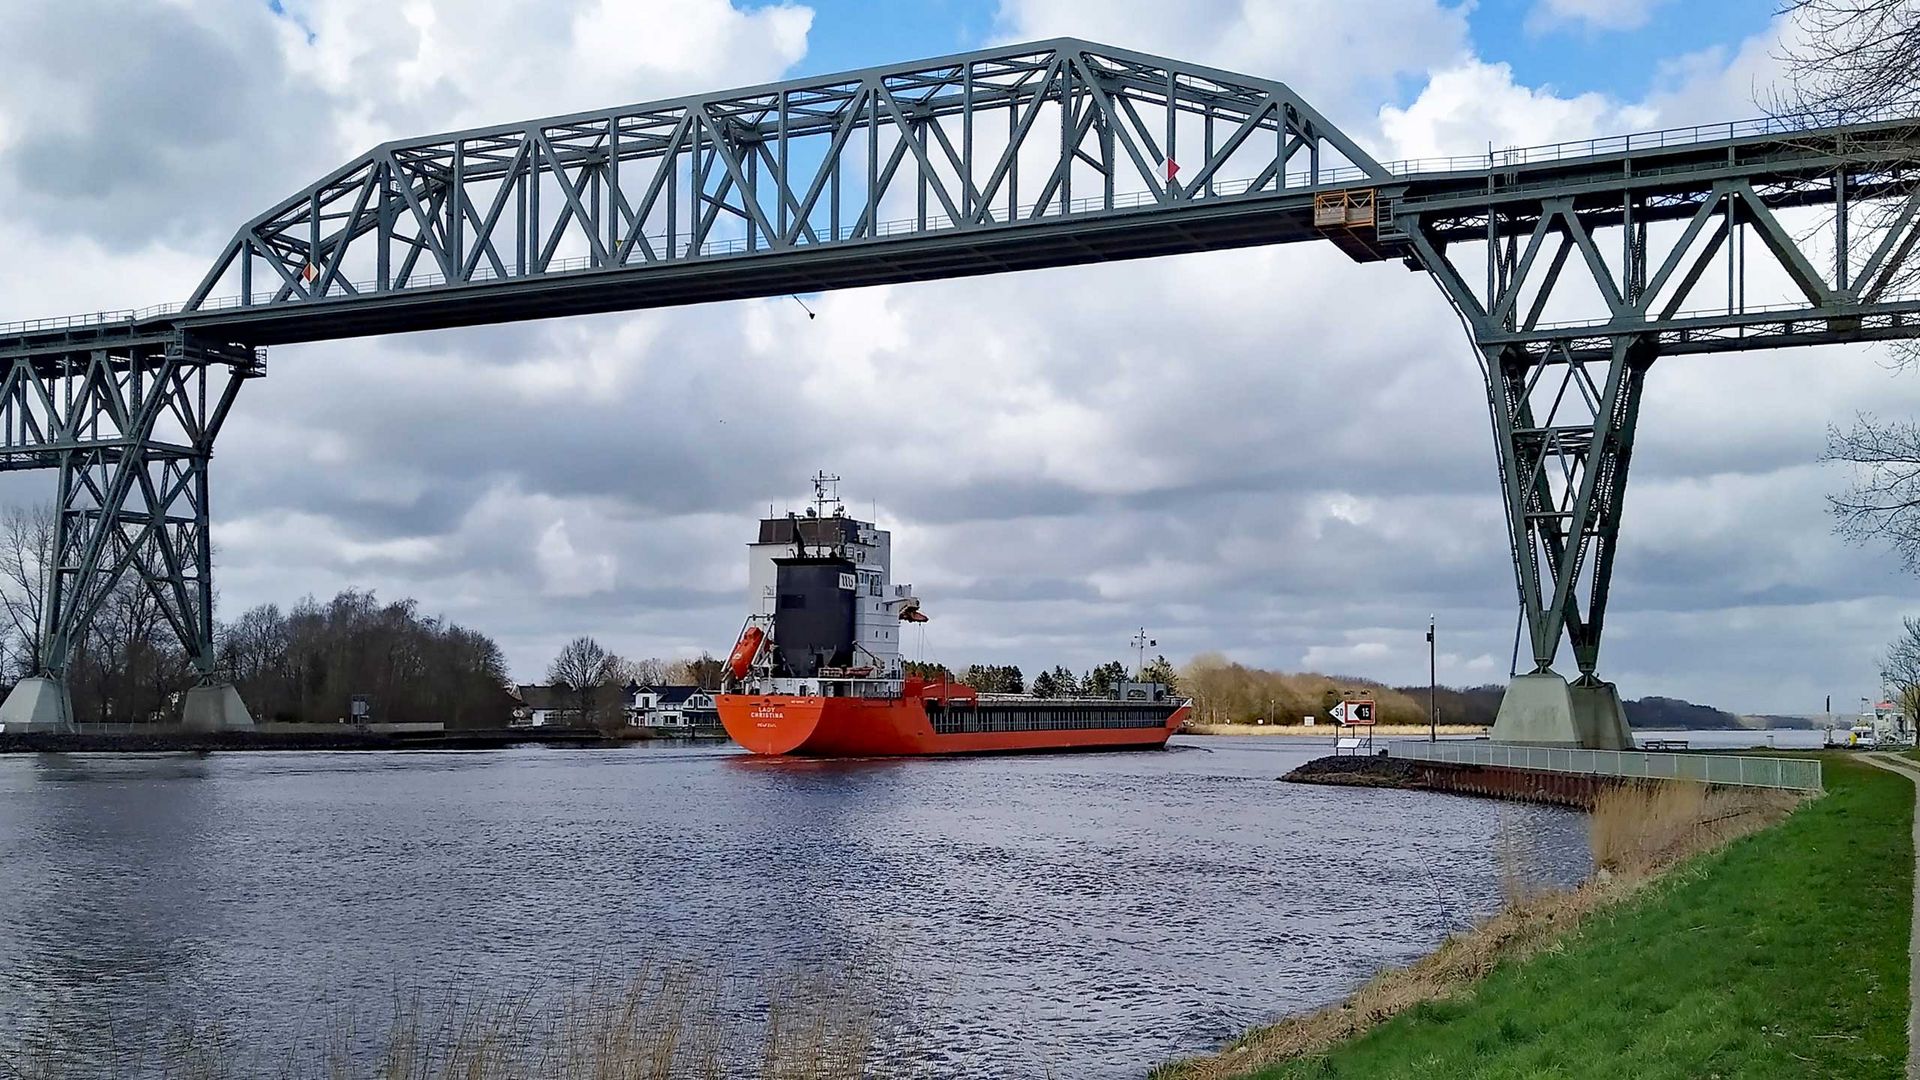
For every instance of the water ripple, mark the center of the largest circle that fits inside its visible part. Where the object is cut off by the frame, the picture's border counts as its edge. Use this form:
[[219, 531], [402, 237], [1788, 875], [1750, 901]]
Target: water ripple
[[1092, 914]]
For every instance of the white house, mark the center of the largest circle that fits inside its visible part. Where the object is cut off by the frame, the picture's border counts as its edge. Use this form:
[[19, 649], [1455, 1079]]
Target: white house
[[686, 707], [545, 706]]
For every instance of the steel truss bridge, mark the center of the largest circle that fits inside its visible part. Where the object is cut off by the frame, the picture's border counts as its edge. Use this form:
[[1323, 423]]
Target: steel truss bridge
[[1573, 268]]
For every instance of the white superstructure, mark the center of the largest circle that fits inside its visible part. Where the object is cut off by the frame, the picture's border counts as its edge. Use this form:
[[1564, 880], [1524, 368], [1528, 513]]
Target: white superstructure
[[825, 533]]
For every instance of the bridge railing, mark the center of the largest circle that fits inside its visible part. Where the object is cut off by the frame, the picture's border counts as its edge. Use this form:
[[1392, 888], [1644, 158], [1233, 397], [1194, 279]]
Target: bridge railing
[[1734, 770], [1661, 138]]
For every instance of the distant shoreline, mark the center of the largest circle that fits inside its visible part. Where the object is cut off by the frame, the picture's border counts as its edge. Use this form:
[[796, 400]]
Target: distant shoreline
[[1328, 731], [267, 737]]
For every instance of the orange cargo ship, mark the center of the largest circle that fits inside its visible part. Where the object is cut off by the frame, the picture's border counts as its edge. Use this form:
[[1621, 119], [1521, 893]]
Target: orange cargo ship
[[817, 669]]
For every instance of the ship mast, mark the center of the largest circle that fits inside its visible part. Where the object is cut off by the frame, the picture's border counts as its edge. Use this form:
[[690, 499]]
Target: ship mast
[[826, 490], [1141, 642]]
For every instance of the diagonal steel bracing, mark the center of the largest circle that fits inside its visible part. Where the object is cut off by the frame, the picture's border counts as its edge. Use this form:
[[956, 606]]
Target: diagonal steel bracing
[[128, 421], [1573, 277], [983, 145]]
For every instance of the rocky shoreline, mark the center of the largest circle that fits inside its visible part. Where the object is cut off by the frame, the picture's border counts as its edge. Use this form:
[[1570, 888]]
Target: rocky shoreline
[[1574, 790]]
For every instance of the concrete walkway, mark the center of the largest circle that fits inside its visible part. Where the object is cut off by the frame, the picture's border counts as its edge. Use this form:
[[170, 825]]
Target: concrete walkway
[[1907, 767]]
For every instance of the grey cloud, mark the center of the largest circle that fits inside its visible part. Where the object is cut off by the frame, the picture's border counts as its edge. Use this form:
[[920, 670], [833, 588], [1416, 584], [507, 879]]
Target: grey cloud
[[145, 123]]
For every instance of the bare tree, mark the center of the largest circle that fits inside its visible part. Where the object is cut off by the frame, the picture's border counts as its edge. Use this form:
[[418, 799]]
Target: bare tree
[[307, 664], [651, 671], [1883, 500], [129, 666], [1900, 670], [703, 671], [1853, 58], [26, 555], [593, 675], [1859, 60]]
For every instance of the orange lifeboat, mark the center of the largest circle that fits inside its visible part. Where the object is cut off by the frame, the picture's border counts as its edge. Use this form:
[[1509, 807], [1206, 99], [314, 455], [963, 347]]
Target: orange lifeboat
[[744, 651]]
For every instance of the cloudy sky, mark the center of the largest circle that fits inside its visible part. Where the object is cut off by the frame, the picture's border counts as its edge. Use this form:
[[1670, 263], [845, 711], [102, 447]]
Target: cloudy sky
[[1276, 453]]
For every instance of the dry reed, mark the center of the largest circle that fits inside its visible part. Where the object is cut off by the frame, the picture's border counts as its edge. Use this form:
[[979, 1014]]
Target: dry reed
[[1637, 832], [1639, 829], [664, 1023]]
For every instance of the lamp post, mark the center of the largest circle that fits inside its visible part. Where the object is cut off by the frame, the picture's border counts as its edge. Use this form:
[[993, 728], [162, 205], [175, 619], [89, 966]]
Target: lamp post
[[1433, 688]]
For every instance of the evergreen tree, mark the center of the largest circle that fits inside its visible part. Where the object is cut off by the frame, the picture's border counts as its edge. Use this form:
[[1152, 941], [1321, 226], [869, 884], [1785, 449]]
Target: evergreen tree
[[995, 679], [1102, 681], [1043, 686], [1160, 671]]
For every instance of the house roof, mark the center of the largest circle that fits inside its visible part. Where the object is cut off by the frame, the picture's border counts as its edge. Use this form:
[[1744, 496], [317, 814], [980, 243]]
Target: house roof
[[557, 696], [675, 695]]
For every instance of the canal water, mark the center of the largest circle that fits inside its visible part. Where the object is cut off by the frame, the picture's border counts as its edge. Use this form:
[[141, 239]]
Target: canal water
[[1087, 915]]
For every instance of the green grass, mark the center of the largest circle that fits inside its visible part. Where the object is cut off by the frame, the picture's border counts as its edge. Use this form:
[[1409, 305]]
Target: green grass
[[1785, 955]]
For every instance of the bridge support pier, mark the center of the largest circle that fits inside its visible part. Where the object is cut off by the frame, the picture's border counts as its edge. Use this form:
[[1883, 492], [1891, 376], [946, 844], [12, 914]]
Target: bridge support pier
[[37, 703], [1563, 472], [215, 707], [1565, 409], [1543, 709], [1571, 287], [128, 419]]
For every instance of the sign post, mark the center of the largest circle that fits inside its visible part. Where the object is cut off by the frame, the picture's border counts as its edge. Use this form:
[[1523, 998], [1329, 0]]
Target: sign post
[[1356, 713]]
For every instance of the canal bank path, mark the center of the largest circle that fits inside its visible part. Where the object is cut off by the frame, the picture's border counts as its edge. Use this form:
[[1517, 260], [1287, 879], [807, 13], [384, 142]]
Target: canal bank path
[[1906, 767]]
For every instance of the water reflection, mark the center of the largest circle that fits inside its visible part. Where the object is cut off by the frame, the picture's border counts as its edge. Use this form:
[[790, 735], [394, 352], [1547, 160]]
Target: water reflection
[[1089, 913]]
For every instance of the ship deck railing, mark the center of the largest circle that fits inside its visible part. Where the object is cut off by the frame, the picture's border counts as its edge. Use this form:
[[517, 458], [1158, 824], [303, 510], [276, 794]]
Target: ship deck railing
[[1078, 700]]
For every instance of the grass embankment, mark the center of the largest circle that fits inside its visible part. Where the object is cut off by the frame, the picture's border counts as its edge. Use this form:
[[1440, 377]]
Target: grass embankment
[[1782, 954], [1327, 731]]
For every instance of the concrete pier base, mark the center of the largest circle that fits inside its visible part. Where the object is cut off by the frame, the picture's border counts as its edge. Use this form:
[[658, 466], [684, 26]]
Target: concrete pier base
[[37, 704], [215, 707], [1599, 716], [1541, 709]]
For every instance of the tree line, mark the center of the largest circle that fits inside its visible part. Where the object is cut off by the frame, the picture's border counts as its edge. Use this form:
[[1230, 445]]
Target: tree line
[[1227, 692], [305, 664], [1058, 682], [308, 664]]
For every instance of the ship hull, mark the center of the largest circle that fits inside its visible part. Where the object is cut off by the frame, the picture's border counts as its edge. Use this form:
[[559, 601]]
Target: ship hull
[[779, 724]]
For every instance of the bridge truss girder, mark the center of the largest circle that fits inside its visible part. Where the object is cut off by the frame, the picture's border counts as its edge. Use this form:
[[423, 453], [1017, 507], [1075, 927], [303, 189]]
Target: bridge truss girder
[[1812, 241], [957, 149], [128, 420]]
